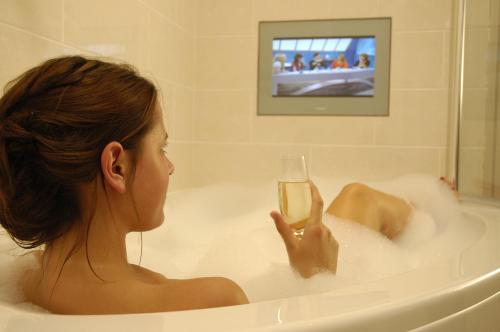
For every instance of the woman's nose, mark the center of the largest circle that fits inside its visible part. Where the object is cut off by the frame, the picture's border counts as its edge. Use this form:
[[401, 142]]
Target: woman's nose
[[171, 168]]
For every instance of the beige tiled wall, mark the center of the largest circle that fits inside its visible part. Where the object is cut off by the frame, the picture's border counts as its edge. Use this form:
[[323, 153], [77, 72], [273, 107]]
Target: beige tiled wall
[[233, 143], [156, 36], [203, 56], [480, 98]]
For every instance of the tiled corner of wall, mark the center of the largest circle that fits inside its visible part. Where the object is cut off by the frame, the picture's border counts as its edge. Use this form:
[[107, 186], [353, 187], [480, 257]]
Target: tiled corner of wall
[[412, 139], [155, 36], [203, 56]]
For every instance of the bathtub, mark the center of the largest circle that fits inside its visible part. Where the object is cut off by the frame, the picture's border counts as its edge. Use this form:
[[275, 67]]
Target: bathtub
[[459, 293]]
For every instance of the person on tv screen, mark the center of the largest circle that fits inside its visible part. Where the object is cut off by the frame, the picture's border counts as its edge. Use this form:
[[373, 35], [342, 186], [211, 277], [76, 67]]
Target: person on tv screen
[[279, 63], [363, 62], [340, 62], [297, 64], [317, 62]]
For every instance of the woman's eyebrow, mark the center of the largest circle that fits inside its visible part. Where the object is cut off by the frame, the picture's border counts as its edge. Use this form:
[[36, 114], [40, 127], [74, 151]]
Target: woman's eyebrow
[[166, 137]]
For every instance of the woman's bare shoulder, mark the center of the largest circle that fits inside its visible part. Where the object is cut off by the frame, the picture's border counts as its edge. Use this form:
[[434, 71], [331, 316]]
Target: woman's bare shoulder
[[140, 292], [138, 296], [205, 293]]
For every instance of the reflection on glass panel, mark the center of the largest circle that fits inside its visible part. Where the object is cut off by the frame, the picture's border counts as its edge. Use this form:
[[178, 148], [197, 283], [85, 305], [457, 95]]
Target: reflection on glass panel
[[331, 44], [318, 44], [479, 142], [288, 44], [304, 44], [276, 45], [343, 44]]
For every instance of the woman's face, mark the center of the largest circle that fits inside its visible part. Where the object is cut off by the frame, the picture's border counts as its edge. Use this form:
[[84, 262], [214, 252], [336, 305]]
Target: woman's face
[[152, 175]]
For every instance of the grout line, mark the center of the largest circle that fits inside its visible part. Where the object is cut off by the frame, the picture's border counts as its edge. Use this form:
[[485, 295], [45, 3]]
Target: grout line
[[148, 40], [34, 34], [420, 31], [444, 60], [169, 20], [419, 89], [50, 40], [311, 160], [437, 147], [63, 20], [226, 36], [440, 164], [250, 118], [228, 90]]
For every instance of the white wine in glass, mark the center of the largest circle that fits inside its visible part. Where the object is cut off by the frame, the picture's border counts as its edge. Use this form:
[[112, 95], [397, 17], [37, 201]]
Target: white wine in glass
[[295, 192]]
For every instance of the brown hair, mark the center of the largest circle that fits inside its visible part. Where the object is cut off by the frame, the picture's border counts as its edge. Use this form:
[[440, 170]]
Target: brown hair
[[55, 120]]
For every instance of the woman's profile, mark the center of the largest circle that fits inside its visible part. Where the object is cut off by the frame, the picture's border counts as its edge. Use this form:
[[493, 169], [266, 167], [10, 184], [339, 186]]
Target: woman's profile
[[83, 163]]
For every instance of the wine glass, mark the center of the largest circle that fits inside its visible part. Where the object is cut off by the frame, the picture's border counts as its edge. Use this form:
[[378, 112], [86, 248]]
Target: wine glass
[[294, 192]]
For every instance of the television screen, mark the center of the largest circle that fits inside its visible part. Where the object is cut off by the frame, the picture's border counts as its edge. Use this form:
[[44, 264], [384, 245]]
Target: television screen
[[336, 66]]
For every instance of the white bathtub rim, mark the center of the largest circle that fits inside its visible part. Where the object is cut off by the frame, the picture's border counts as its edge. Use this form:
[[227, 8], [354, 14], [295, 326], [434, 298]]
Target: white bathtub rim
[[487, 281]]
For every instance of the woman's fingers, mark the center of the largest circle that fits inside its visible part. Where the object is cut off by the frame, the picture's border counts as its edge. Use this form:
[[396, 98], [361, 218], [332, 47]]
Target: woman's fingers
[[316, 206], [285, 231]]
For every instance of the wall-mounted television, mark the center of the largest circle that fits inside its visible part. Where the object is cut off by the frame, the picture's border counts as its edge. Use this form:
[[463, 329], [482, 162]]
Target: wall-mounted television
[[325, 67]]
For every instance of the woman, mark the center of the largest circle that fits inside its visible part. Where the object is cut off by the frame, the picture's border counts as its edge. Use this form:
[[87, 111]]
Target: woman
[[340, 62], [279, 63], [83, 163], [297, 64], [363, 62]]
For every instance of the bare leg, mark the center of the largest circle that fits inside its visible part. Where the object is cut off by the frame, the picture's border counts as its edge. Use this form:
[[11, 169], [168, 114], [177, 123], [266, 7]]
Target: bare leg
[[372, 208]]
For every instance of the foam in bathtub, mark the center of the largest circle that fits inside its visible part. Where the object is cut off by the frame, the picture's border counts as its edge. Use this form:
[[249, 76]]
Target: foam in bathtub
[[225, 230]]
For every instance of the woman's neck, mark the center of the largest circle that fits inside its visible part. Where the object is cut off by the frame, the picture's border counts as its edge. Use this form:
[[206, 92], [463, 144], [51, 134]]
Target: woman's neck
[[98, 245]]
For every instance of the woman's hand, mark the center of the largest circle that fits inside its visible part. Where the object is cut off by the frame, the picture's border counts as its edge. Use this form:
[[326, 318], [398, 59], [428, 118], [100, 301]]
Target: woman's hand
[[318, 250]]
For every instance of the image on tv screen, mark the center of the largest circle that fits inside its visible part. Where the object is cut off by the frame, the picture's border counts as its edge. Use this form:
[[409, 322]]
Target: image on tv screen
[[337, 66]]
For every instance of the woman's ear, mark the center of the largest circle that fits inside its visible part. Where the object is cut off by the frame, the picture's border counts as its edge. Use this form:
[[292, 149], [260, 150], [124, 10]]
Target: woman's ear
[[114, 166]]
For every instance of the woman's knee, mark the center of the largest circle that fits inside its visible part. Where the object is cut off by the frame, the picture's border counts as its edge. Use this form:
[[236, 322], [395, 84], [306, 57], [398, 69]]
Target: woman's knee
[[356, 190], [350, 199]]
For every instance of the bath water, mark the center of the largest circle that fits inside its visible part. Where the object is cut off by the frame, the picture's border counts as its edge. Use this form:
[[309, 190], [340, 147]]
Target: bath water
[[225, 230]]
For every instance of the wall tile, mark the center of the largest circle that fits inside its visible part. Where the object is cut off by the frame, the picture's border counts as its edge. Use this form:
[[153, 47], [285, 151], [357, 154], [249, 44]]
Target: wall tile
[[266, 10], [172, 52], [418, 60], [20, 51], [185, 15], [43, 17], [444, 163], [112, 28], [477, 60], [313, 130], [480, 13], [166, 7], [166, 99], [377, 163], [243, 163], [181, 12], [183, 120], [226, 63], [222, 116], [471, 171], [416, 118], [477, 108], [411, 15], [224, 17]]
